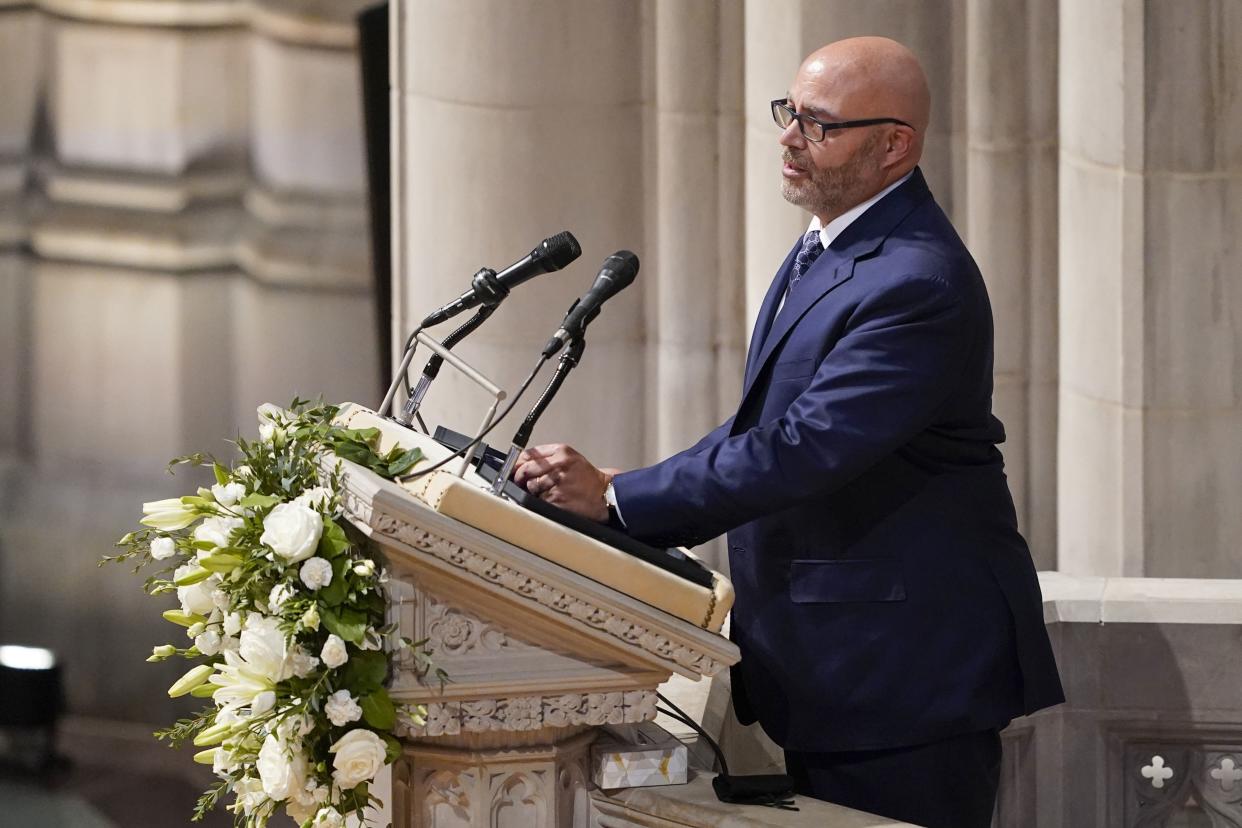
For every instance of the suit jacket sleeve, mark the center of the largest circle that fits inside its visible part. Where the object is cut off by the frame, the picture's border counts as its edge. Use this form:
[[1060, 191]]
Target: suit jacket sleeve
[[880, 384]]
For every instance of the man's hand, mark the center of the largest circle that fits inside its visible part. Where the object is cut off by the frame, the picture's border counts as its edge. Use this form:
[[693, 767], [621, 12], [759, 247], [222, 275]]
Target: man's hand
[[560, 475]]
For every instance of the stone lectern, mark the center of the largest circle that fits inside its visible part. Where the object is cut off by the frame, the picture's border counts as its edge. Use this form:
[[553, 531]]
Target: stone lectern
[[539, 655]]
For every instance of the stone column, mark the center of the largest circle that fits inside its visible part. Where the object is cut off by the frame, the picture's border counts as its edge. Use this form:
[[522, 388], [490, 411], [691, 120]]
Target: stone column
[[20, 77], [1010, 225], [699, 331], [1151, 361], [512, 122], [307, 304]]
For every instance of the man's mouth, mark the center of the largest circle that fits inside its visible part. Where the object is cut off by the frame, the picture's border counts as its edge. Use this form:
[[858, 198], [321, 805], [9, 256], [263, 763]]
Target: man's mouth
[[791, 168]]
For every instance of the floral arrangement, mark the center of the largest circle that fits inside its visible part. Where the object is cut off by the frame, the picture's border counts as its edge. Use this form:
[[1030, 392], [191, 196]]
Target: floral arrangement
[[284, 604]]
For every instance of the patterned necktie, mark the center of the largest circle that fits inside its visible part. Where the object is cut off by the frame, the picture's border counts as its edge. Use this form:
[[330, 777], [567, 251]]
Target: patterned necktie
[[811, 248]]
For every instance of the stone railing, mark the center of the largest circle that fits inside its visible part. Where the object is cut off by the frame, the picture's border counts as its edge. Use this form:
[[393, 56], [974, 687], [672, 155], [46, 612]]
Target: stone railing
[[1151, 734]]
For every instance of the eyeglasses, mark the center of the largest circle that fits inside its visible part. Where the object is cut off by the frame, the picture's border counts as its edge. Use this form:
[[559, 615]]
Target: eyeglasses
[[814, 129]]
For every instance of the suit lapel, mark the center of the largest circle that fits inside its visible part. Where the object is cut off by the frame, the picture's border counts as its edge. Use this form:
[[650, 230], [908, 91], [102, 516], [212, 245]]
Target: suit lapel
[[833, 268], [767, 311]]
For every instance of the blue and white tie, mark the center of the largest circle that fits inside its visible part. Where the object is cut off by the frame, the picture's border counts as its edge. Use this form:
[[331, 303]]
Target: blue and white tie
[[811, 248]]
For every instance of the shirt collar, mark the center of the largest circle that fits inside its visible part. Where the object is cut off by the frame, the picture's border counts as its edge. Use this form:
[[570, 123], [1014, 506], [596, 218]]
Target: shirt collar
[[837, 226]]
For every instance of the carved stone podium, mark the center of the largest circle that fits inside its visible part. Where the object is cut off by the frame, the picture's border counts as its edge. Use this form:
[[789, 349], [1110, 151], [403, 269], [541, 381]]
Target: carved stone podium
[[539, 657]]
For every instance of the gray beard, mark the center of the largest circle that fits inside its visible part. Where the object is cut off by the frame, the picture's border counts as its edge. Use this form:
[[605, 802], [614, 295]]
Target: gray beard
[[833, 190]]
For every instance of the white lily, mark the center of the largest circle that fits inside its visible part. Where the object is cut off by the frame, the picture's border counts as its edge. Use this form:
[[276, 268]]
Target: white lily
[[237, 682], [167, 515]]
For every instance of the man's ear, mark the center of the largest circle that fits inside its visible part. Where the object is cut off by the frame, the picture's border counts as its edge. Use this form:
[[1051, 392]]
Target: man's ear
[[900, 145]]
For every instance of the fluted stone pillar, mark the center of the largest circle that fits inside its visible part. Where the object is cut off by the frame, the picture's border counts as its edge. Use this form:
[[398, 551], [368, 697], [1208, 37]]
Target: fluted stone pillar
[[514, 121], [699, 330], [20, 76], [778, 35], [306, 305], [1010, 225], [1150, 462]]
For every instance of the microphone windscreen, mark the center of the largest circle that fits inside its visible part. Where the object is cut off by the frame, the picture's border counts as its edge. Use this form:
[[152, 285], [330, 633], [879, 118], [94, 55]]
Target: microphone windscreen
[[624, 265], [562, 249]]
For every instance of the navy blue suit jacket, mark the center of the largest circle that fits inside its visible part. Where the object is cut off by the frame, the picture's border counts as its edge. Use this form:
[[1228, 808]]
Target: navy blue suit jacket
[[884, 594]]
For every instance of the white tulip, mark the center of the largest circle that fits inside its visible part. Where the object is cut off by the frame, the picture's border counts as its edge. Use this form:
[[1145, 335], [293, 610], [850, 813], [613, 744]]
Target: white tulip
[[333, 653], [316, 573], [196, 598], [360, 755], [262, 702], [316, 497], [216, 530], [208, 642], [228, 493], [163, 548], [279, 595], [341, 708], [292, 531]]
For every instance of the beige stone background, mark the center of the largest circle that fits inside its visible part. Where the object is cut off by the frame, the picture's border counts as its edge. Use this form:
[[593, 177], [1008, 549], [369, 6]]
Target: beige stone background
[[183, 235]]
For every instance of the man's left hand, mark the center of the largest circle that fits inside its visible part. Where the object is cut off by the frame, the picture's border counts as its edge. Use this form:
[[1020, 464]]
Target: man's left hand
[[560, 475]]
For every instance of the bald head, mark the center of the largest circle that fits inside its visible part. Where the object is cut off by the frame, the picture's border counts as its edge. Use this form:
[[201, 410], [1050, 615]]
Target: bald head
[[873, 77], [860, 78]]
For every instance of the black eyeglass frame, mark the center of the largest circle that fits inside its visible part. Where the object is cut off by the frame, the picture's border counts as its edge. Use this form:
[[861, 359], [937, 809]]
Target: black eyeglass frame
[[782, 104]]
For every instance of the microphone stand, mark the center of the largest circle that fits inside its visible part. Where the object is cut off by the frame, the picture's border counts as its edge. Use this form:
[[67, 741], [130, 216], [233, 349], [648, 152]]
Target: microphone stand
[[432, 368], [568, 361]]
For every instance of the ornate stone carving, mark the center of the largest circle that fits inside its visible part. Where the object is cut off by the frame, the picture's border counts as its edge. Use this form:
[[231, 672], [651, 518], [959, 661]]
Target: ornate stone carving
[[521, 713], [452, 631], [484, 568]]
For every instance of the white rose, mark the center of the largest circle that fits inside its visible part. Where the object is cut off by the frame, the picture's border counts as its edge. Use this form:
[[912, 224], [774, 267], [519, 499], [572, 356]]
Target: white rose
[[333, 653], [282, 771], [342, 709], [262, 702], [163, 548], [328, 817], [208, 642], [316, 497], [316, 573], [271, 413], [229, 493], [196, 598], [263, 647], [359, 756], [279, 595], [292, 531], [300, 812], [216, 530], [302, 662]]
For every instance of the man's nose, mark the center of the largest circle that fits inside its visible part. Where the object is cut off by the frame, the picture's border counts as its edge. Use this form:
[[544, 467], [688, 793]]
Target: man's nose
[[791, 136]]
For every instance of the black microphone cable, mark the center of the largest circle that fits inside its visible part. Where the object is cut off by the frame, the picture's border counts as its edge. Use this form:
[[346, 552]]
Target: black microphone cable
[[461, 452]]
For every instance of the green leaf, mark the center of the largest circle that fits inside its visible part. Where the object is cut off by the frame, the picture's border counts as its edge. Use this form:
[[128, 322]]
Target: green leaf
[[349, 624], [365, 671], [221, 473], [334, 593], [405, 462], [333, 541], [355, 453], [392, 750], [258, 501], [378, 710]]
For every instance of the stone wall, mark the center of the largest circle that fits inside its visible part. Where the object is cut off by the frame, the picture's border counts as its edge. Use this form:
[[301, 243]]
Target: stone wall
[[183, 235]]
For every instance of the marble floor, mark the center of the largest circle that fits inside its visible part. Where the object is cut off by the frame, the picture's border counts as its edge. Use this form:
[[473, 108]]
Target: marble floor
[[100, 797]]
